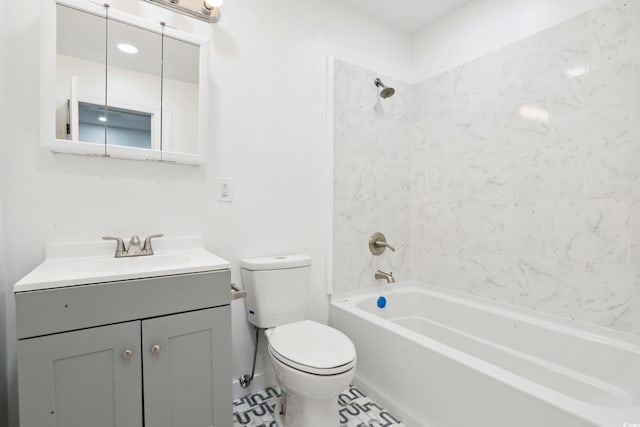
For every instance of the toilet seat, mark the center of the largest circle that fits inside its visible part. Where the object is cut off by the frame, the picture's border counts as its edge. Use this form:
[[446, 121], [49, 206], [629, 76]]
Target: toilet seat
[[310, 369], [312, 347]]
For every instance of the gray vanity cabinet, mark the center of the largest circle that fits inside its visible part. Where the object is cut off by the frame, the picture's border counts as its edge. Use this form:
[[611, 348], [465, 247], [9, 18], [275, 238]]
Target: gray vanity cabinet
[[79, 379], [186, 362], [145, 352]]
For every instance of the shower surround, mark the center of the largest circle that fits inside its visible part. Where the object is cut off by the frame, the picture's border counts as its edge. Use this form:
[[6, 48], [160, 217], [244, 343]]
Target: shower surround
[[372, 176], [515, 176]]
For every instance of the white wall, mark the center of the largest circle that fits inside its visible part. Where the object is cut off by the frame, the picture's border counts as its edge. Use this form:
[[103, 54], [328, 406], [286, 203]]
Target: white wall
[[3, 281], [3, 297], [267, 133], [482, 26]]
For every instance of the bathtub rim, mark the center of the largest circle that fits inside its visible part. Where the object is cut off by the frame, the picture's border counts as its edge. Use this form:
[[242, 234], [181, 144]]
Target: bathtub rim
[[588, 329], [589, 412]]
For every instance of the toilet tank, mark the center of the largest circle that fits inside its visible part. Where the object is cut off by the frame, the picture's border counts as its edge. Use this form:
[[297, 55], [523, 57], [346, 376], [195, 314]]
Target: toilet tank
[[276, 288]]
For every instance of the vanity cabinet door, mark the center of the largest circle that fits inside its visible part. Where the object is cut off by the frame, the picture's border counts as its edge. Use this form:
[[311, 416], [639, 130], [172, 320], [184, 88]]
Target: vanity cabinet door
[[90, 377], [187, 369]]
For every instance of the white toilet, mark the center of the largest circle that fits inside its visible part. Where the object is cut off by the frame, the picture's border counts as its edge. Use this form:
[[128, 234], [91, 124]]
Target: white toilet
[[313, 362]]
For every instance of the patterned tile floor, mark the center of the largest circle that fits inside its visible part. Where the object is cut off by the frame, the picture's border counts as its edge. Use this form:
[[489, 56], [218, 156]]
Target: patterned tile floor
[[356, 410]]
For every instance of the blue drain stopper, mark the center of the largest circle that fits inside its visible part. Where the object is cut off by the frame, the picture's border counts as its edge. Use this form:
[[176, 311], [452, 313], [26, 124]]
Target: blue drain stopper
[[382, 302]]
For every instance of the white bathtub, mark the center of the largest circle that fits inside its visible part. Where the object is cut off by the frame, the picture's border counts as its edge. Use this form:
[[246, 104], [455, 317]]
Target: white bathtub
[[440, 358]]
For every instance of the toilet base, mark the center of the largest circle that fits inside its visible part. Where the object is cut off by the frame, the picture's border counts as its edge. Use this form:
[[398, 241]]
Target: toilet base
[[303, 412]]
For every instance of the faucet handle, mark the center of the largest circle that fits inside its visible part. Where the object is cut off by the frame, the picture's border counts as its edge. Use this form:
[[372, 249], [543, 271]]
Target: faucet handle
[[147, 248], [378, 243], [119, 247], [381, 244]]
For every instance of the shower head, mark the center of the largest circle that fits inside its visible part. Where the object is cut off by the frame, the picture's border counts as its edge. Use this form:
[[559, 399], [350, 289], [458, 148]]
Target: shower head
[[386, 91]]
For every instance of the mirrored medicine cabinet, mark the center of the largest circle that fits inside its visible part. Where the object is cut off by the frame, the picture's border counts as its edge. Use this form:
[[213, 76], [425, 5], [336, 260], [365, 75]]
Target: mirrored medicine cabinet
[[115, 85]]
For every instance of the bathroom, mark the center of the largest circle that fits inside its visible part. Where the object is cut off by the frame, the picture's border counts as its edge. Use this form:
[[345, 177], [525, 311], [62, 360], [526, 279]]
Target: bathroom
[[318, 161]]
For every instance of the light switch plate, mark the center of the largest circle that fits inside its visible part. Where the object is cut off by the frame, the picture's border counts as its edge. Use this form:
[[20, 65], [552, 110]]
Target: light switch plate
[[225, 190]]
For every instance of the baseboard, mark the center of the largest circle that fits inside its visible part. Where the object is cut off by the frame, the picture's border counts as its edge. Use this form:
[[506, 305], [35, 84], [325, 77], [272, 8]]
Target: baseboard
[[259, 382]]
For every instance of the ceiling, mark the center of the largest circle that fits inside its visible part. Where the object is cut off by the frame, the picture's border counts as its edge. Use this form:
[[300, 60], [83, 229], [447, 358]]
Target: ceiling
[[407, 15]]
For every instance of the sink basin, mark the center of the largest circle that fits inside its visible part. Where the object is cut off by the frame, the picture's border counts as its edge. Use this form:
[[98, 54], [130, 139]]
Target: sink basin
[[81, 264], [141, 263]]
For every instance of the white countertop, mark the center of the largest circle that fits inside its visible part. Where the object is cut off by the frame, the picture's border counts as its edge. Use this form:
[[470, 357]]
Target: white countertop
[[75, 264]]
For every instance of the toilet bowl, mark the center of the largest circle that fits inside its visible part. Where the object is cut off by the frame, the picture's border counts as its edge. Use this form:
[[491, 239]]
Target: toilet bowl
[[313, 362]]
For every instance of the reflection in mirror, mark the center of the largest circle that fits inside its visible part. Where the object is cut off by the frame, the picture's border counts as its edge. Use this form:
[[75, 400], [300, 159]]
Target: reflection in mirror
[[126, 128], [134, 87], [180, 97], [80, 71]]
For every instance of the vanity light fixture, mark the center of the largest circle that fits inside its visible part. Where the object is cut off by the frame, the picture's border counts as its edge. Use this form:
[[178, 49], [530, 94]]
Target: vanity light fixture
[[207, 10], [208, 6], [128, 48]]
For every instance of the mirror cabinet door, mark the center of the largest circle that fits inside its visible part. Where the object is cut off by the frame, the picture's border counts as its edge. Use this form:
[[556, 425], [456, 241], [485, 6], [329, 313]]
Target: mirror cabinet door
[[180, 99], [134, 88], [124, 87], [80, 77]]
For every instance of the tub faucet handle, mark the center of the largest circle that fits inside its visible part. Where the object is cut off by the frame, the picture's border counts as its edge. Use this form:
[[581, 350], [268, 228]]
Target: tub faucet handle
[[378, 243]]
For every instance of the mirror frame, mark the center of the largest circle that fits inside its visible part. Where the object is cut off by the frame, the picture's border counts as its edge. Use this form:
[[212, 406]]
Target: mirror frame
[[48, 53]]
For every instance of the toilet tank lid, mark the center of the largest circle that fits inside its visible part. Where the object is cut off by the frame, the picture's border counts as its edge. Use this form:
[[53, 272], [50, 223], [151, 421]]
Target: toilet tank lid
[[276, 262]]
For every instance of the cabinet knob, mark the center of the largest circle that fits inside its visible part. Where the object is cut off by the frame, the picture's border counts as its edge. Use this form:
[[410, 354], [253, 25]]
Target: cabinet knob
[[127, 354], [155, 349]]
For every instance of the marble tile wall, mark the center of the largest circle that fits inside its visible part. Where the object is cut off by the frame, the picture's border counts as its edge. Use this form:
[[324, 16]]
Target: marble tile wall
[[515, 176], [372, 169], [525, 184]]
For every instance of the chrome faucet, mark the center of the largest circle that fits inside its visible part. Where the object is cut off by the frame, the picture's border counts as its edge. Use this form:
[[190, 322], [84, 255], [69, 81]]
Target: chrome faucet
[[387, 276], [134, 246]]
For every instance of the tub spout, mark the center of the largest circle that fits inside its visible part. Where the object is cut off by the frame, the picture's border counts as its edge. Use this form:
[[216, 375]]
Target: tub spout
[[386, 276]]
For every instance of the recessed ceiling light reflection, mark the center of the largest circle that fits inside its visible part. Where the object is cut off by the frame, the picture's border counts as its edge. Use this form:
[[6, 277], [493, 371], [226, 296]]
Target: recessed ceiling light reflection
[[128, 48], [102, 119]]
